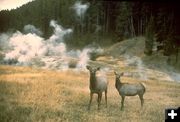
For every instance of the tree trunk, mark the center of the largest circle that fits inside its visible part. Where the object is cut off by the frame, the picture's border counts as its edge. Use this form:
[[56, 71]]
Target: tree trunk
[[177, 52], [132, 27], [141, 26]]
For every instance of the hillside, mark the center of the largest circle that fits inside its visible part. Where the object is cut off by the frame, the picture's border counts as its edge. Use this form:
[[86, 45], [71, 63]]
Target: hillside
[[31, 94], [129, 54], [133, 46]]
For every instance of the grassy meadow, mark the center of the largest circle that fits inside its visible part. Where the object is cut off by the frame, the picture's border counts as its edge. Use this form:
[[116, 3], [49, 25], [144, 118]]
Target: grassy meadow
[[38, 95]]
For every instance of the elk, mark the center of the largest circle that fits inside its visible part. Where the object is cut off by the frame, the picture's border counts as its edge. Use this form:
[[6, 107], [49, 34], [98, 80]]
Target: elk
[[126, 89], [98, 85]]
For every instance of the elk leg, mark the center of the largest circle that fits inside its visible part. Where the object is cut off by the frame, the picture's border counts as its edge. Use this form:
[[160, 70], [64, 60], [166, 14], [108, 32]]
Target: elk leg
[[142, 100], [99, 100], [106, 97], [122, 102], [91, 96]]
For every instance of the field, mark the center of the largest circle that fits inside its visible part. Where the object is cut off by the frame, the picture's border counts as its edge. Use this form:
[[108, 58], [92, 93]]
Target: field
[[31, 94]]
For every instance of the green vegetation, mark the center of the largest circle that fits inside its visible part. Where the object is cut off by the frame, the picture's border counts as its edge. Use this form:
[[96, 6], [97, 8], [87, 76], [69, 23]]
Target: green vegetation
[[103, 19]]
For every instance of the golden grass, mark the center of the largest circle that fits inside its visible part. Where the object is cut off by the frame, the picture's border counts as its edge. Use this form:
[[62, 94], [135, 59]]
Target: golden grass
[[29, 94]]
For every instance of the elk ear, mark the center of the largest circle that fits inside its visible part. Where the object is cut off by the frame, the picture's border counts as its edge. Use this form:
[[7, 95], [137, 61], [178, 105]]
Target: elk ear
[[122, 74], [115, 72], [88, 67], [98, 68]]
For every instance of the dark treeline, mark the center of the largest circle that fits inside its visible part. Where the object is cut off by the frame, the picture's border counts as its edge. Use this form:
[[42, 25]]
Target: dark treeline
[[157, 21]]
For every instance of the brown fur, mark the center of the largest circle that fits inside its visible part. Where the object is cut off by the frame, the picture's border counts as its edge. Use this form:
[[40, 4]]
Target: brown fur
[[126, 89], [97, 86]]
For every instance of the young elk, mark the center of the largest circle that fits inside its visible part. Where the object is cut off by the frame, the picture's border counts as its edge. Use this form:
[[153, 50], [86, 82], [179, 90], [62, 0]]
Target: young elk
[[97, 85], [126, 89]]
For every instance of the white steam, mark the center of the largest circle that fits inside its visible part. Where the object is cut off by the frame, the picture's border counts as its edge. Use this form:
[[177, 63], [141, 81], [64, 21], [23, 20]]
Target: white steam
[[59, 32], [55, 43], [83, 58], [32, 29], [4, 45], [138, 64], [29, 48], [32, 49], [80, 8], [25, 47]]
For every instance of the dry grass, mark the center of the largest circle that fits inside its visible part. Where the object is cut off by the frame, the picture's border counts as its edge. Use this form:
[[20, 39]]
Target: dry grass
[[28, 94]]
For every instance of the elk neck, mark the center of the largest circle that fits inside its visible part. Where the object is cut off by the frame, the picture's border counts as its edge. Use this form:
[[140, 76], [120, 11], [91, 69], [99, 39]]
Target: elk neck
[[118, 83], [92, 80]]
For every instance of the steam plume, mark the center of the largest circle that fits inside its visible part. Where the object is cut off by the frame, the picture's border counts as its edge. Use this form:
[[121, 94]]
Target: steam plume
[[32, 49], [138, 63], [83, 58], [25, 47], [32, 29], [80, 8]]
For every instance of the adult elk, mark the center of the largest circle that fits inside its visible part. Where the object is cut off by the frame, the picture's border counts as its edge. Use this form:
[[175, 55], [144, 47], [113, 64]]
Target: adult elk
[[126, 89], [98, 85]]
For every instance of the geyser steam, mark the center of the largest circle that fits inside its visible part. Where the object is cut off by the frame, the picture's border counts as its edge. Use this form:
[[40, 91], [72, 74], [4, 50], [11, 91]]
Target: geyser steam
[[25, 47], [83, 58], [32, 49], [59, 32], [29, 48], [80, 8], [32, 29], [137, 62]]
